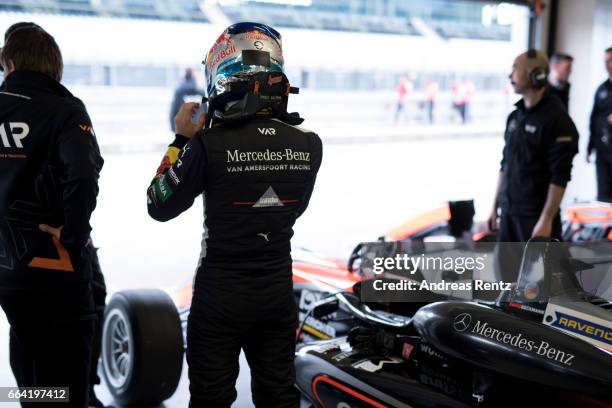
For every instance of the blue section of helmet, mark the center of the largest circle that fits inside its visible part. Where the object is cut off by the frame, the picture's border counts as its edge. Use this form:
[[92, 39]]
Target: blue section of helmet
[[235, 66]]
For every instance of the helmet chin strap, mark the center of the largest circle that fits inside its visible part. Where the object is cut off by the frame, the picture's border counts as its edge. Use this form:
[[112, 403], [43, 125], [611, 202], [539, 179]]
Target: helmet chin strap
[[260, 92]]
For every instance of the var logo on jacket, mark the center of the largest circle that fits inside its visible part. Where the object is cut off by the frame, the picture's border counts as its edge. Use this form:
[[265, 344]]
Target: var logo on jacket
[[267, 131], [13, 133]]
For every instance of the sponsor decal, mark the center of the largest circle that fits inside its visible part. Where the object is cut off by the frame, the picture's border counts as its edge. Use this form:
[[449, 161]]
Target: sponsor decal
[[462, 322], [254, 35], [370, 366], [169, 159], [162, 189], [441, 381], [87, 129], [593, 329], [269, 199], [531, 291], [318, 328], [343, 355], [267, 131], [526, 307], [17, 132], [429, 351], [583, 327], [541, 348], [173, 177], [238, 156], [151, 195], [267, 167], [222, 55], [308, 298], [264, 235]]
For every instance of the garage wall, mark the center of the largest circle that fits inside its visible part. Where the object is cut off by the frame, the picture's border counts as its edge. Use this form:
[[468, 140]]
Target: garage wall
[[584, 30]]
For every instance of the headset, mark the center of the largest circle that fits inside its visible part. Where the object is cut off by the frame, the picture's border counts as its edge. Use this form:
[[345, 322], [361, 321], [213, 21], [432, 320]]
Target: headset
[[538, 76]]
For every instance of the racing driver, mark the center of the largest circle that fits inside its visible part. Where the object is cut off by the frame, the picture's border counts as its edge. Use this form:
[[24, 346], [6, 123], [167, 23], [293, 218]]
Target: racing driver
[[256, 171]]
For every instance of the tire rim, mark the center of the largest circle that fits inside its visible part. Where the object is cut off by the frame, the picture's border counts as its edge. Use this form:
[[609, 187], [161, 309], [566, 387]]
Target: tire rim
[[117, 348]]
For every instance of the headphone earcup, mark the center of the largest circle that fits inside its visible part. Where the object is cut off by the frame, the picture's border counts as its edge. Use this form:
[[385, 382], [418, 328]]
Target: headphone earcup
[[538, 78]]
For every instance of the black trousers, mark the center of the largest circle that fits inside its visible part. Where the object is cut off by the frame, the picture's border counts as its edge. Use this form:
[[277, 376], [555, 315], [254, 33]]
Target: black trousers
[[50, 339], [226, 318], [98, 287], [513, 229], [603, 166]]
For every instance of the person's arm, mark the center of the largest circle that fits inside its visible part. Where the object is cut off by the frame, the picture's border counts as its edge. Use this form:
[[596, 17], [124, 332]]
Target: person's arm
[[492, 221], [317, 154], [180, 177], [592, 129], [543, 227], [492, 224], [562, 138], [81, 160]]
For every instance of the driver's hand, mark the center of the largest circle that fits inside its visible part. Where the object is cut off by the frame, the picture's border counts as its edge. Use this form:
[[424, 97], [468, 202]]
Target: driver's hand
[[56, 232], [182, 121]]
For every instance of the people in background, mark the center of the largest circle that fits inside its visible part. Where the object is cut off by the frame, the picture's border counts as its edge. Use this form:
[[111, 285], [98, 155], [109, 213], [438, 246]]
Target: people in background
[[541, 141], [431, 94], [462, 93], [558, 79], [48, 190], [404, 88], [601, 132], [186, 89]]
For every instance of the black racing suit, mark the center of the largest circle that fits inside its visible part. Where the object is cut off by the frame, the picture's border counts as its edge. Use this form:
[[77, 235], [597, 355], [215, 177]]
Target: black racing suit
[[561, 91], [601, 139], [50, 164], [257, 179], [541, 143]]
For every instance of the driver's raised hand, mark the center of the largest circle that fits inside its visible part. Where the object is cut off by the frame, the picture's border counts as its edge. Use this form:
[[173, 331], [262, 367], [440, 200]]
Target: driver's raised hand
[[183, 120]]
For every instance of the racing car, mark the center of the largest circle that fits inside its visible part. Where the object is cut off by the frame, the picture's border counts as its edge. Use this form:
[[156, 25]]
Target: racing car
[[549, 348], [143, 337], [144, 330]]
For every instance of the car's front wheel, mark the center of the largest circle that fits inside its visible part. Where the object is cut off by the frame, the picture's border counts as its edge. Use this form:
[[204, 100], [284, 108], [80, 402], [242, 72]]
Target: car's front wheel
[[142, 347]]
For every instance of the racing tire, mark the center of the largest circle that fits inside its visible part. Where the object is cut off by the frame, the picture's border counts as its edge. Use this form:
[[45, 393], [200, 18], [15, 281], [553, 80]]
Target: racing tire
[[142, 347]]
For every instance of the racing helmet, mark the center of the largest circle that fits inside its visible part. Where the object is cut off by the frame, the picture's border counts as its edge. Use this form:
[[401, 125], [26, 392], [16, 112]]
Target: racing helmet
[[242, 50]]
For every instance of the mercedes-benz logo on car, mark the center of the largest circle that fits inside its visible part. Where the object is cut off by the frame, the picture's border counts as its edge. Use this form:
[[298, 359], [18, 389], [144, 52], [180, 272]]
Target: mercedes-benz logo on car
[[462, 322]]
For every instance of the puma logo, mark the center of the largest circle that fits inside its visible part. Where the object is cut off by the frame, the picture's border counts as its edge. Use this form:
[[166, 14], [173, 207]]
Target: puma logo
[[264, 236]]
